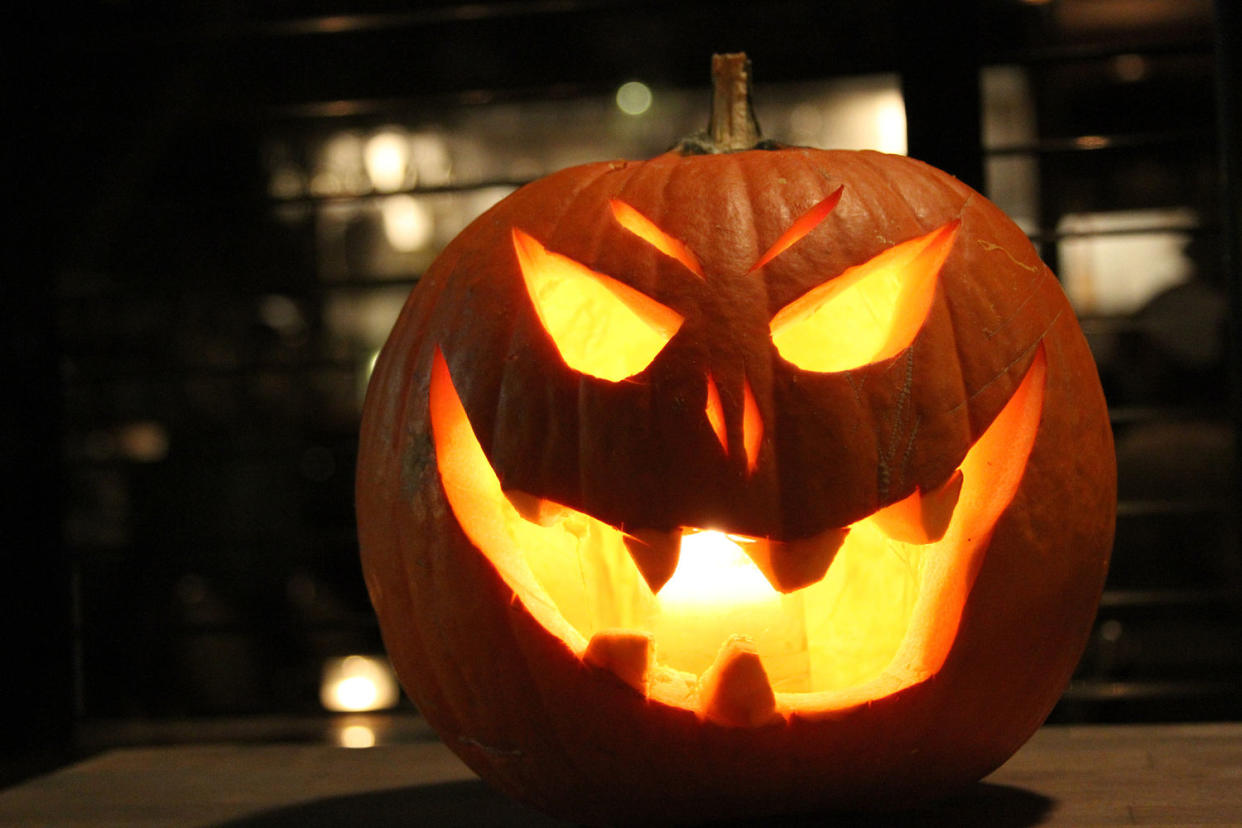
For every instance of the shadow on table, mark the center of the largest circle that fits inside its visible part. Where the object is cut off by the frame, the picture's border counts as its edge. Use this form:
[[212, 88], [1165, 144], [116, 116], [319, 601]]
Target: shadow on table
[[473, 803]]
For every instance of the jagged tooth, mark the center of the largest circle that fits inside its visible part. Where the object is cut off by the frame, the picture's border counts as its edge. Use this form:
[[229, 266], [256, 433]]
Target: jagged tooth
[[922, 517], [655, 553], [735, 690], [624, 653], [792, 565], [534, 508]]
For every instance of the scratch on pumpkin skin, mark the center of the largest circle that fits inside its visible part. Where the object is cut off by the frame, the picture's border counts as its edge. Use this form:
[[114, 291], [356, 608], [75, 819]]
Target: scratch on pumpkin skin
[[1004, 372], [961, 211], [989, 333], [989, 247], [1034, 269], [491, 750]]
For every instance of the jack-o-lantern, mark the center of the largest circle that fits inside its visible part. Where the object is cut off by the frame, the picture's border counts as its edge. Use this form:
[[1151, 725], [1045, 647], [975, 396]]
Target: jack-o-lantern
[[736, 481]]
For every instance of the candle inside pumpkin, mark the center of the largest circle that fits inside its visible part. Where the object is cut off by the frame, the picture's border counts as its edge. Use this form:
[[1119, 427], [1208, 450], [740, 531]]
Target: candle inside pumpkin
[[716, 592]]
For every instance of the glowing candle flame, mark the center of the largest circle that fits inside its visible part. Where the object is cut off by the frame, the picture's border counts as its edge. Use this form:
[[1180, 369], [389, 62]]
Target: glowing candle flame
[[714, 571]]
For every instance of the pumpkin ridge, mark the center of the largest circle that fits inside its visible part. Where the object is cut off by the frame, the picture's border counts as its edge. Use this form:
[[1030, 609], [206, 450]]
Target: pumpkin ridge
[[735, 167], [889, 451], [872, 160], [1036, 285], [964, 394]]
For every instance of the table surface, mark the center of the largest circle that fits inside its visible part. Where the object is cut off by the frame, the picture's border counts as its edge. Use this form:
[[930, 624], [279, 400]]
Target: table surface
[[1079, 775]]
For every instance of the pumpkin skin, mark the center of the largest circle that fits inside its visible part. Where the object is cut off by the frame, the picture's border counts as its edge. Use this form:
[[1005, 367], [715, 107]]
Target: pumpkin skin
[[523, 707]]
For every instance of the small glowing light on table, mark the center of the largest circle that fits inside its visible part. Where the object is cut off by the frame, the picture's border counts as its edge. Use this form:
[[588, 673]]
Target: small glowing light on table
[[356, 736], [357, 683]]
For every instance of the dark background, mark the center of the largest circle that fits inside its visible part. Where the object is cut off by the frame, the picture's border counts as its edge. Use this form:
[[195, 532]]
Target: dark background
[[181, 418]]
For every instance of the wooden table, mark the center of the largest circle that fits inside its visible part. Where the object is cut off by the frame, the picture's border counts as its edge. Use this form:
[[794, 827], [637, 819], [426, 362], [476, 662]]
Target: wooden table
[[1123, 775]]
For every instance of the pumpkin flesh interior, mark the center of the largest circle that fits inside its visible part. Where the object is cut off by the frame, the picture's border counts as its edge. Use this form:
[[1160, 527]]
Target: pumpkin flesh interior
[[601, 326], [882, 618]]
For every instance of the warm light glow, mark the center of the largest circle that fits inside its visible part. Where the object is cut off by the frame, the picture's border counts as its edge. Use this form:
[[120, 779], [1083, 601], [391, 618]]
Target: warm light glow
[[865, 603], [356, 736], [408, 224], [1092, 142], [869, 313], [752, 428], [356, 683], [387, 157], [143, 441], [645, 229], [340, 166], [634, 98], [713, 571], [884, 616], [715, 414], [1116, 263], [355, 693], [804, 224], [430, 162], [717, 592], [890, 125], [857, 112], [600, 326], [752, 422]]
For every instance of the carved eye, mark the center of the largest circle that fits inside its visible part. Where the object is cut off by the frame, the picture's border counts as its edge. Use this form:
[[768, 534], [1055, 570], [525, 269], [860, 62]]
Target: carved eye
[[646, 229], [600, 326], [869, 313]]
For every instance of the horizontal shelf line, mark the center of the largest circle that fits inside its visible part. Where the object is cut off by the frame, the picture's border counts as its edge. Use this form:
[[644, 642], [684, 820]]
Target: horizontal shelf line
[[1097, 143], [1095, 690], [1097, 51], [1148, 508], [1163, 598], [1131, 414], [1154, 229], [375, 195]]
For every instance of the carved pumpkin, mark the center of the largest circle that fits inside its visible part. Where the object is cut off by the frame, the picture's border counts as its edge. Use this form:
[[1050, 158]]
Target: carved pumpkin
[[736, 483]]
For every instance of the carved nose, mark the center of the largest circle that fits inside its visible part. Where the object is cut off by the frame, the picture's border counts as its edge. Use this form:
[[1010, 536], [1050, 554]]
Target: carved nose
[[738, 439]]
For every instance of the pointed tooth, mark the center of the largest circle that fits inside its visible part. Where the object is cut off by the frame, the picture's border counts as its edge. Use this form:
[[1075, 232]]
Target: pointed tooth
[[655, 553], [534, 508], [792, 565], [922, 517], [735, 690], [624, 653]]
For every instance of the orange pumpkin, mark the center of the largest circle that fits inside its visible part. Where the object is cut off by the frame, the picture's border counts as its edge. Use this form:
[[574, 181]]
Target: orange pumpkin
[[738, 482]]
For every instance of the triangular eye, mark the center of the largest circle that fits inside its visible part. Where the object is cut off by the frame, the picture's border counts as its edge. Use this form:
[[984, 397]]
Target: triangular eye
[[601, 327], [869, 313]]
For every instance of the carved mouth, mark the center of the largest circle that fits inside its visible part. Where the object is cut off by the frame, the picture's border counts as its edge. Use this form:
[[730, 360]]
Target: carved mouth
[[745, 630]]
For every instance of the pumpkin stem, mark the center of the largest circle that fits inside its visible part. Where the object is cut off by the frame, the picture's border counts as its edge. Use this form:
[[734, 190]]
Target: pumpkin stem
[[733, 126]]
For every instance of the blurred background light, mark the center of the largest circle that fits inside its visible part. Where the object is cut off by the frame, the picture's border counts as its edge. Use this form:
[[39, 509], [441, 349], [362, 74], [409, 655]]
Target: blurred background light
[[357, 683], [634, 98], [387, 160], [143, 441], [1111, 262], [430, 160], [865, 112], [890, 124], [408, 224], [340, 169], [356, 736]]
